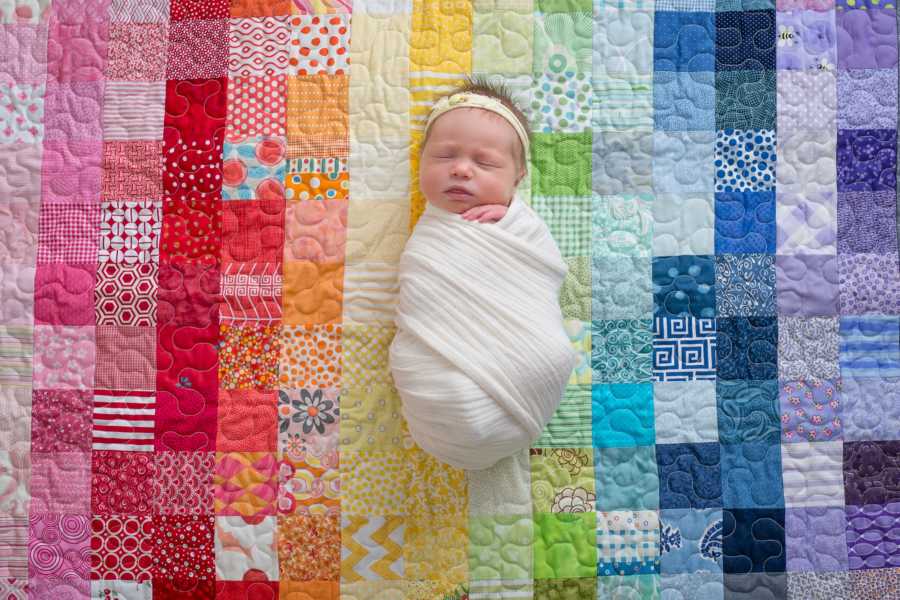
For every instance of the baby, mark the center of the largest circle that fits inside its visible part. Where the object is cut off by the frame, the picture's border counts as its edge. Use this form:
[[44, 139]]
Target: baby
[[480, 358], [475, 152]]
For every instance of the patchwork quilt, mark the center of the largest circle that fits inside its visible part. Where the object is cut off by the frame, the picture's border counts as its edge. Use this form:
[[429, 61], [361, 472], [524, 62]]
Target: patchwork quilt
[[202, 208]]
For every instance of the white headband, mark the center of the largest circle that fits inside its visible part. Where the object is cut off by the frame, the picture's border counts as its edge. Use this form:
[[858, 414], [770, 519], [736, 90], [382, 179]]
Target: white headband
[[473, 100]]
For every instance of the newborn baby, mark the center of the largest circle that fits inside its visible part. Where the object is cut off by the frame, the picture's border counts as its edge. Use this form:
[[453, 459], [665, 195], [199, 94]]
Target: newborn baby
[[480, 358]]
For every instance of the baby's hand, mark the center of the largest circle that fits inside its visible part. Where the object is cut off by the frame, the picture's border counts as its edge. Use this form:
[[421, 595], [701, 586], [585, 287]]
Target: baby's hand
[[485, 213]]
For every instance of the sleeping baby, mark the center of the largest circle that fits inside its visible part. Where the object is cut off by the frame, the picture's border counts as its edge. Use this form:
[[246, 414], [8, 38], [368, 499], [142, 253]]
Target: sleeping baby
[[480, 358]]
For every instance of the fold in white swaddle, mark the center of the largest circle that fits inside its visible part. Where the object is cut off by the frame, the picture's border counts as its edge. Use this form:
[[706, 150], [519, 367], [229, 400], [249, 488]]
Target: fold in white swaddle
[[480, 357]]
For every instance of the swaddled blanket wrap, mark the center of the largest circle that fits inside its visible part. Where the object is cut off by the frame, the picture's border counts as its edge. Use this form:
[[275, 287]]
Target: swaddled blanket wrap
[[480, 357]]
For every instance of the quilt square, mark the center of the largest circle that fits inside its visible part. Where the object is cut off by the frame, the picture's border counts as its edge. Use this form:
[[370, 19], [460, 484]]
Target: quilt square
[[674, 51], [684, 101], [130, 231], [748, 412], [318, 179], [245, 548], [690, 541], [684, 286], [751, 475], [184, 483], [746, 348], [745, 40], [746, 100], [622, 415], [808, 223], [866, 39], [318, 119], [684, 349], [867, 465], [245, 483], [72, 111], [866, 223], [870, 283], [866, 407], [197, 49], [124, 421], [745, 285], [260, 8], [320, 536], [869, 347], [24, 51], [64, 357], [487, 556], [569, 221], [61, 484], [621, 287], [808, 348], [257, 106], [689, 475], [251, 292], [313, 293], [627, 478], [869, 532], [23, 119], [253, 168], [183, 550], [52, 553], [248, 421], [575, 295], [122, 483], [126, 294], [811, 410], [745, 160], [753, 540], [797, 90], [807, 284], [61, 421], [621, 351], [121, 550], [807, 40], [561, 164], [622, 224], [806, 160], [309, 478], [252, 232], [816, 539], [868, 99], [561, 102], [685, 411], [77, 51], [320, 44], [563, 42], [866, 159], [133, 110], [623, 162], [562, 480], [183, 10], [310, 357], [126, 358], [683, 224], [248, 355], [316, 231], [683, 161], [70, 171], [258, 46], [188, 294], [813, 473], [191, 232], [132, 171], [137, 51], [579, 531], [63, 293], [628, 542]]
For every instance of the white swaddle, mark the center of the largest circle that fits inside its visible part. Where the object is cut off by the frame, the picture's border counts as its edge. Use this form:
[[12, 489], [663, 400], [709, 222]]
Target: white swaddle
[[480, 358]]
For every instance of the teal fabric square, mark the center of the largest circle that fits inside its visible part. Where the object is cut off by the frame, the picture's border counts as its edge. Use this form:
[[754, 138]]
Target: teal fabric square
[[622, 415], [622, 224], [622, 287], [627, 478], [622, 350]]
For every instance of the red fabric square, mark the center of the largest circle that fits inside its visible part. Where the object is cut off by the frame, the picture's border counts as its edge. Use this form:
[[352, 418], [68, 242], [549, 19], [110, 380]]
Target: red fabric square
[[248, 590], [121, 547], [195, 111], [191, 231], [64, 294], [248, 420], [197, 49], [253, 231], [257, 105], [181, 10], [121, 483], [183, 553], [188, 294], [183, 484], [132, 171], [194, 590], [76, 51], [61, 420], [126, 294], [251, 292]]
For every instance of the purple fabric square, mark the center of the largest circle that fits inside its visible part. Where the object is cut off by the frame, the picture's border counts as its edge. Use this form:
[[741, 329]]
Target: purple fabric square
[[872, 534], [812, 43], [866, 159], [71, 171], [815, 539], [77, 51], [870, 283], [72, 111], [807, 285], [810, 410], [867, 39], [867, 99], [867, 222], [871, 472], [871, 408], [23, 53]]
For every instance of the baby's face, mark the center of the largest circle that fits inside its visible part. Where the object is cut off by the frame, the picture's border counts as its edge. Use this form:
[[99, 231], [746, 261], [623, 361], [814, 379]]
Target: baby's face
[[470, 159]]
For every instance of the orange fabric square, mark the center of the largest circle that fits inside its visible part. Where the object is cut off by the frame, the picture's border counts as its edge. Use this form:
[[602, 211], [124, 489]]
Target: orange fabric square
[[260, 8], [311, 357], [312, 293], [309, 547], [248, 421], [309, 590], [318, 115]]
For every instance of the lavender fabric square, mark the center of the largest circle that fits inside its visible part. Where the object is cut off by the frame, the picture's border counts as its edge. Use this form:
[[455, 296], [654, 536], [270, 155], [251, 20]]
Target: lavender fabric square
[[807, 284], [815, 539], [806, 223], [870, 408], [810, 410], [807, 40], [872, 533], [866, 39], [867, 99], [871, 472], [870, 283], [866, 159], [867, 222]]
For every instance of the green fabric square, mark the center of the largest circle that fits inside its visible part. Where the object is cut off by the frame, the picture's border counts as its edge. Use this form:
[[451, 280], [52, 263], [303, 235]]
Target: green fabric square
[[563, 42], [500, 546], [570, 426], [563, 6], [561, 164], [562, 480], [565, 589], [575, 294], [621, 350], [622, 224], [627, 478], [633, 587], [502, 39], [565, 545], [569, 221]]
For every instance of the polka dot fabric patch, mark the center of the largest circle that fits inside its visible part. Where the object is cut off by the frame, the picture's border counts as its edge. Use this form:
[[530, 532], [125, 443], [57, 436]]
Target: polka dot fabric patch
[[320, 44], [310, 356], [745, 160], [257, 106]]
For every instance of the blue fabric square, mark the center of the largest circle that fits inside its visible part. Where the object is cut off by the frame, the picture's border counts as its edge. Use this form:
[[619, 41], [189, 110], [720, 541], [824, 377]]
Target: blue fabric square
[[753, 540], [689, 475], [866, 160], [745, 40], [745, 223], [621, 350], [684, 101], [684, 41], [745, 160], [690, 540], [622, 415], [747, 348], [748, 412], [745, 285], [684, 286], [627, 478], [751, 475], [684, 349]]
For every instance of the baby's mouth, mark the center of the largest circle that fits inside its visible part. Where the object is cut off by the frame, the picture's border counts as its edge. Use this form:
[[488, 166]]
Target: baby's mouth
[[458, 192]]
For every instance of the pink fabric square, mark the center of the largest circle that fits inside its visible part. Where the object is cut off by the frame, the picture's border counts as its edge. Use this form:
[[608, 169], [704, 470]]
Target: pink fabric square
[[73, 111], [315, 230], [18, 232], [61, 420], [59, 550], [69, 233], [23, 53], [20, 173], [71, 171], [76, 12], [60, 482], [76, 51], [64, 294], [64, 357], [197, 49], [137, 52], [132, 171], [183, 484], [126, 358], [15, 565], [17, 282]]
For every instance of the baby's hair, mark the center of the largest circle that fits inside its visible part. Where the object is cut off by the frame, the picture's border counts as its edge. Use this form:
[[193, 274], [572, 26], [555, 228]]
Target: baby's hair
[[479, 84]]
